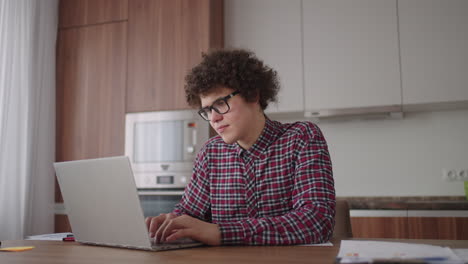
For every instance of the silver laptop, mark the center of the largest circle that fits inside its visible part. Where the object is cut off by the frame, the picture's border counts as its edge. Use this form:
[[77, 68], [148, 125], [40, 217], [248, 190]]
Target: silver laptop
[[102, 204]]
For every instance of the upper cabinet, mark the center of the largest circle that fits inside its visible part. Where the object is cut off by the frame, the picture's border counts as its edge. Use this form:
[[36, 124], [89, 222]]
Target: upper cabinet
[[91, 12], [91, 65], [434, 54], [166, 39], [351, 57], [271, 29], [355, 57]]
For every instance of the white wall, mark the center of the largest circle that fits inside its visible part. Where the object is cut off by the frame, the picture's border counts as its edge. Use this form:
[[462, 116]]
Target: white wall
[[402, 157]]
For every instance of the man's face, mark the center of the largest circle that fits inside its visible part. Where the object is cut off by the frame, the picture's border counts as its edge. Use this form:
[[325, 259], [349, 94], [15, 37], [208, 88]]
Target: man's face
[[234, 125]]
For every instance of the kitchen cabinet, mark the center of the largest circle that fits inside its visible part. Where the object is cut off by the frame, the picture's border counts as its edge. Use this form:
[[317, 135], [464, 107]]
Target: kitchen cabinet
[[438, 228], [434, 41], [96, 86], [379, 223], [351, 56], [91, 65], [438, 224], [412, 224], [166, 39], [379, 227], [271, 29], [91, 12], [358, 57], [91, 77]]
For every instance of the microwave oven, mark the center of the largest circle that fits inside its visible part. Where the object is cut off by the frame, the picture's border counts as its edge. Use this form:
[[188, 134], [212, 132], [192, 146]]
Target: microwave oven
[[162, 146]]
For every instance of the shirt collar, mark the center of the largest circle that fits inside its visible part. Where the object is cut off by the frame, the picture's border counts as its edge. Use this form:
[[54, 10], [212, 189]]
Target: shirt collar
[[267, 137]]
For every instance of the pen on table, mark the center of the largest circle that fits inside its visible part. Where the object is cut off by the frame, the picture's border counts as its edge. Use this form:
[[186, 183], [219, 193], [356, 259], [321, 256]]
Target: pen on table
[[69, 238]]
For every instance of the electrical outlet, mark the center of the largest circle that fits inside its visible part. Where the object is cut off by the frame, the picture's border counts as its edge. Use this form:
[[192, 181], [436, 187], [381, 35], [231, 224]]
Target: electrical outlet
[[449, 174], [462, 175], [455, 175]]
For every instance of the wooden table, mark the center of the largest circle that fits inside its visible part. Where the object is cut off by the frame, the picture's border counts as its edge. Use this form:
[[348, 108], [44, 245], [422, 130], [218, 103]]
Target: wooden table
[[71, 252]]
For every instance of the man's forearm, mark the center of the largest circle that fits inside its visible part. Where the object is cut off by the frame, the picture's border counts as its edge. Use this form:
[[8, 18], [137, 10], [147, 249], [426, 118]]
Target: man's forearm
[[311, 224]]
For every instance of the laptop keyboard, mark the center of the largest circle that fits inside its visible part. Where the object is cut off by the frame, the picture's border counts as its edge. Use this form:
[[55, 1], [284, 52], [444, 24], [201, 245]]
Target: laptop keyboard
[[180, 243]]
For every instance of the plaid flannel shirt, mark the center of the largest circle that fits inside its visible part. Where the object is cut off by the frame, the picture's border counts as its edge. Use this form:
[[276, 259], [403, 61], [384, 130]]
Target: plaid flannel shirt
[[278, 192]]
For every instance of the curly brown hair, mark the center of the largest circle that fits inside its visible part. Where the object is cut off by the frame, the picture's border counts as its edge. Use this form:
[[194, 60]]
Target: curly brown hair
[[237, 69]]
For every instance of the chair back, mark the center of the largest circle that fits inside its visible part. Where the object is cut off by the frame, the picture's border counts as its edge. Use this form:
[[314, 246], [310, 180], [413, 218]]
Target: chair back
[[342, 220]]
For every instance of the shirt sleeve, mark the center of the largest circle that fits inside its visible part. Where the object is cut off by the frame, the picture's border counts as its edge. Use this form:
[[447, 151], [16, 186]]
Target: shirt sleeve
[[311, 219]]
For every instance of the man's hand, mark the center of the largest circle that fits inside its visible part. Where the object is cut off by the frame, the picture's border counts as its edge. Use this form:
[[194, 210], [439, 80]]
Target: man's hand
[[157, 224], [169, 227]]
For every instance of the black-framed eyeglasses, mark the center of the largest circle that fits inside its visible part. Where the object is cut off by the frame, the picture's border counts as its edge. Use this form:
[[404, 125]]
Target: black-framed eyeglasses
[[221, 107]]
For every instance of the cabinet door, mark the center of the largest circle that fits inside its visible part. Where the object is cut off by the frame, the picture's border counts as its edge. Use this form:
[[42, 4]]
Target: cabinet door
[[379, 227], [451, 228], [351, 57], [166, 39], [434, 41], [91, 77], [271, 29], [91, 12]]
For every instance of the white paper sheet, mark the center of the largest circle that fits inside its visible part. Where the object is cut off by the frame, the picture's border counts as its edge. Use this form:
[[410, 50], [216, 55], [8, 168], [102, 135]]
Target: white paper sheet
[[52, 237], [352, 251], [461, 253]]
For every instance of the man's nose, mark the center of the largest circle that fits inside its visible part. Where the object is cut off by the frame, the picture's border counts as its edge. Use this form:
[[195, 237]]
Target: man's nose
[[215, 116]]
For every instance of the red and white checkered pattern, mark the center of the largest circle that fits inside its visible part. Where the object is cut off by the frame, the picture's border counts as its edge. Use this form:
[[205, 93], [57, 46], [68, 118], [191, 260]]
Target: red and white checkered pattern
[[279, 192]]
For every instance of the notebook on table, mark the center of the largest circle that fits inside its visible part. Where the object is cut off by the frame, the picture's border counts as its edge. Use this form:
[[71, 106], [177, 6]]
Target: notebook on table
[[103, 207]]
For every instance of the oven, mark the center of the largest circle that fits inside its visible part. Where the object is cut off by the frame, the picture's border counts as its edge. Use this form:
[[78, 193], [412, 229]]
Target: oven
[[165, 192], [162, 146], [159, 201]]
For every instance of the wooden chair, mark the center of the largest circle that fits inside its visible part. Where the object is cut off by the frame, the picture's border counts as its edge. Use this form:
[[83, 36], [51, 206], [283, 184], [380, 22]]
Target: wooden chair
[[342, 220]]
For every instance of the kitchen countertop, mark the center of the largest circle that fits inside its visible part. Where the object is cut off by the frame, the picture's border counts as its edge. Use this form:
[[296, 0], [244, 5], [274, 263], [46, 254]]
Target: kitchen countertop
[[408, 203]]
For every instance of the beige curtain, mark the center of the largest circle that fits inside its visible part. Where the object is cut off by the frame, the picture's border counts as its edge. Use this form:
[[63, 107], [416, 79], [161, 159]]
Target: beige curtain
[[28, 30]]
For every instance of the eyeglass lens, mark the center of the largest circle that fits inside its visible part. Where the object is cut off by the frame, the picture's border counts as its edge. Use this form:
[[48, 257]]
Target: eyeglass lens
[[220, 106]]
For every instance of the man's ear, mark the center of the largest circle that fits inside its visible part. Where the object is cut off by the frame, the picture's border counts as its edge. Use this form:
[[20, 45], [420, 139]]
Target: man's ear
[[257, 97], [257, 101]]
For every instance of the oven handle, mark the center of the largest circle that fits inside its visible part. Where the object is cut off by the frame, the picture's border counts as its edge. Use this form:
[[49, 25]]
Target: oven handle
[[163, 193]]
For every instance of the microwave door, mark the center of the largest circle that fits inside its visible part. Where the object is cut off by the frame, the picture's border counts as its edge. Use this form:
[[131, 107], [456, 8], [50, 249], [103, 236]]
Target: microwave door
[[158, 142], [163, 142]]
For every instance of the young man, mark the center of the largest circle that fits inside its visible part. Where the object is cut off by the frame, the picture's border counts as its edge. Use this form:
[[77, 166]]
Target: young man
[[259, 182]]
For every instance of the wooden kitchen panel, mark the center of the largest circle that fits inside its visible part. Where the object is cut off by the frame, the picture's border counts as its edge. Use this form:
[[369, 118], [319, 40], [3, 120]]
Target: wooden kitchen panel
[[90, 97], [91, 77], [379, 227], [90, 12], [166, 39], [454, 228], [62, 224], [216, 23]]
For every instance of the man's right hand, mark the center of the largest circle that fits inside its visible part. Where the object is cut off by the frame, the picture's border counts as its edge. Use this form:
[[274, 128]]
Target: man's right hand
[[157, 224]]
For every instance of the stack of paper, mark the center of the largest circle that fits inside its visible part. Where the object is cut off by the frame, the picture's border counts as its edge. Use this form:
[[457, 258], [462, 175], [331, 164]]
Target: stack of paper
[[54, 237], [352, 251]]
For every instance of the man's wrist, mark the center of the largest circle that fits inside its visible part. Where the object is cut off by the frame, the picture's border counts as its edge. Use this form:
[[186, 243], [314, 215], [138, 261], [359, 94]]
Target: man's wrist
[[216, 234]]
